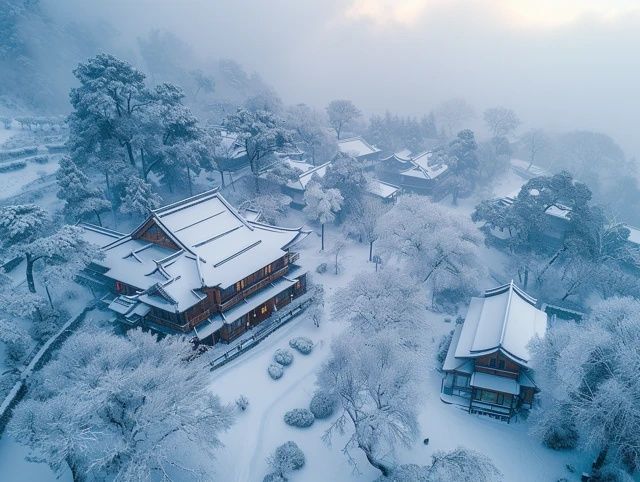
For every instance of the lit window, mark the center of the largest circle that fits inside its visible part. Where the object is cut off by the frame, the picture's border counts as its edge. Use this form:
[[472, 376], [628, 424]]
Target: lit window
[[263, 310]]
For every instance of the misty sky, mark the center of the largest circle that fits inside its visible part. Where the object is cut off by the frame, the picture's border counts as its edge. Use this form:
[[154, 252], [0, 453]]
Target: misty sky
[[563, 64]]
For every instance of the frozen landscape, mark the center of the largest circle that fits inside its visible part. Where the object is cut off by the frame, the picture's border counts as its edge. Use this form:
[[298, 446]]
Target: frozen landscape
[[351, 246]]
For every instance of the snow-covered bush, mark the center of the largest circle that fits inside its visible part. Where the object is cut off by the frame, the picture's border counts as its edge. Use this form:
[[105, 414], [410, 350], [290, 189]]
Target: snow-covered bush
[[286, 458], [15, 339], [443, 347], [13, 166], [275, 371], [302, 344], [299, 417], [40, 159], [273, 477], [322, 268], [556, 429], [283, 357], [242, 403], [322, 405]]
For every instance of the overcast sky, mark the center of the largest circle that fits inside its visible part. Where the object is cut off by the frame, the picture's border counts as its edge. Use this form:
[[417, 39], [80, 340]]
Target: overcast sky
[[562, 64]]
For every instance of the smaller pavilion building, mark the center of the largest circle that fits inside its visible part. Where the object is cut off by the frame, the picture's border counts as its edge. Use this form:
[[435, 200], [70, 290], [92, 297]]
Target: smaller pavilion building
[[487, 364]]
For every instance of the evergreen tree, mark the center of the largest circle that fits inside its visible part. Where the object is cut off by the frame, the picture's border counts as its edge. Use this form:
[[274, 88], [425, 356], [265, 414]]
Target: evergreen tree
[[80, 199]]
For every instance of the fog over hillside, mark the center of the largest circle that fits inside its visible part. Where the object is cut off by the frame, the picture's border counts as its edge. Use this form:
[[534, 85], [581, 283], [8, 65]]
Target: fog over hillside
[[562, 66]]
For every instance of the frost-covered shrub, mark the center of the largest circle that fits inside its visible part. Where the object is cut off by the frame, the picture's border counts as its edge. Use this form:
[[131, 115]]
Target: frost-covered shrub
[[275, 371], [242, 403], [286, 458], [16, 340], [322, 268], [299, 417], [13, 166], [302, 344], [556, 429], [322, 405], [283, 357], [443, 347], [273, 477], [40, 159]]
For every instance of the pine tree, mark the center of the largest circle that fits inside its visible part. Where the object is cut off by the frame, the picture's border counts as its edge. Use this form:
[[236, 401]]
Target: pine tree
[[80, 199]]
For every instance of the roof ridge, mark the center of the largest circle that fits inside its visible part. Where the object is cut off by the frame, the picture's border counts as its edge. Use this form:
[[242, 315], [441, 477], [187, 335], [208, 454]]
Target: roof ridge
[[163, 209], [505, 318]]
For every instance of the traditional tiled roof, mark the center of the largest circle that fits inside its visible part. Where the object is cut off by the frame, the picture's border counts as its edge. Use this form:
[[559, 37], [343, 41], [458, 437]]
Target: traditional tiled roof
[[505, 319], [356, 146], [216, 246]]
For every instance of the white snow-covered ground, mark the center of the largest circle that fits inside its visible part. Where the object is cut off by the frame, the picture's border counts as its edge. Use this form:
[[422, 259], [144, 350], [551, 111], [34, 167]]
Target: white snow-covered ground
[[261, 428]]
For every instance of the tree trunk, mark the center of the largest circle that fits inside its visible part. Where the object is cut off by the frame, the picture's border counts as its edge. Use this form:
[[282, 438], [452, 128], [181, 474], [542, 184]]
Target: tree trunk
[[602, 456], [130, 153], [99, 218], [30, 282], [386, 471], [526, 278], [322, 237], [189, 181], [222, 177], [370, 250], [46, 288]]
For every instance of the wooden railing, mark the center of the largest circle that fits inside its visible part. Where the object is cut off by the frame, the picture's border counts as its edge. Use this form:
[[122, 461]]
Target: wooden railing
[[252, 289], [261, 333], [497, 371], [293, 257]]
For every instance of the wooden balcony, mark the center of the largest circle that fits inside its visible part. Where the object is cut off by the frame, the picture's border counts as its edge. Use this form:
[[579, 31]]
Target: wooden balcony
[[497, 371], [253, 288], [293, 257]]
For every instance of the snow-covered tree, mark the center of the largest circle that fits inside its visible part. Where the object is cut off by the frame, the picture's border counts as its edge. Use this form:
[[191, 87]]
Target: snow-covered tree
[[374, 381], [321, 204], [365, 220], [342, 113], [261, 133], [15, 339], [347, 175], [272, 206], [588, 372], [23, 232], [501, 121], [108, 105], [452, 115], [127, 408], [310, 128], [460, 464], [462, 159], [80, 198], [388, 300], [438, 245], [138, 198]]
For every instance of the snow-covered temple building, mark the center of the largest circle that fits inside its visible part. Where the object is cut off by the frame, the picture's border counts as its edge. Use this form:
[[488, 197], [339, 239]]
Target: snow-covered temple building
[[295, 189], [487, 364], [198, 266], [418, 173], [359, 148]]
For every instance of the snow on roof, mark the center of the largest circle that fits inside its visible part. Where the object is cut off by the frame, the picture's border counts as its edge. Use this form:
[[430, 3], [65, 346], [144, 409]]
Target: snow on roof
[[305, 177], [218, 247], [403, 154], [505, 320], [634, 234], [230, 147], [422, 162], [559, 211], [382, 189], [532, 171], [356, 146], [494, 382], [98, 235], [451, 363]]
